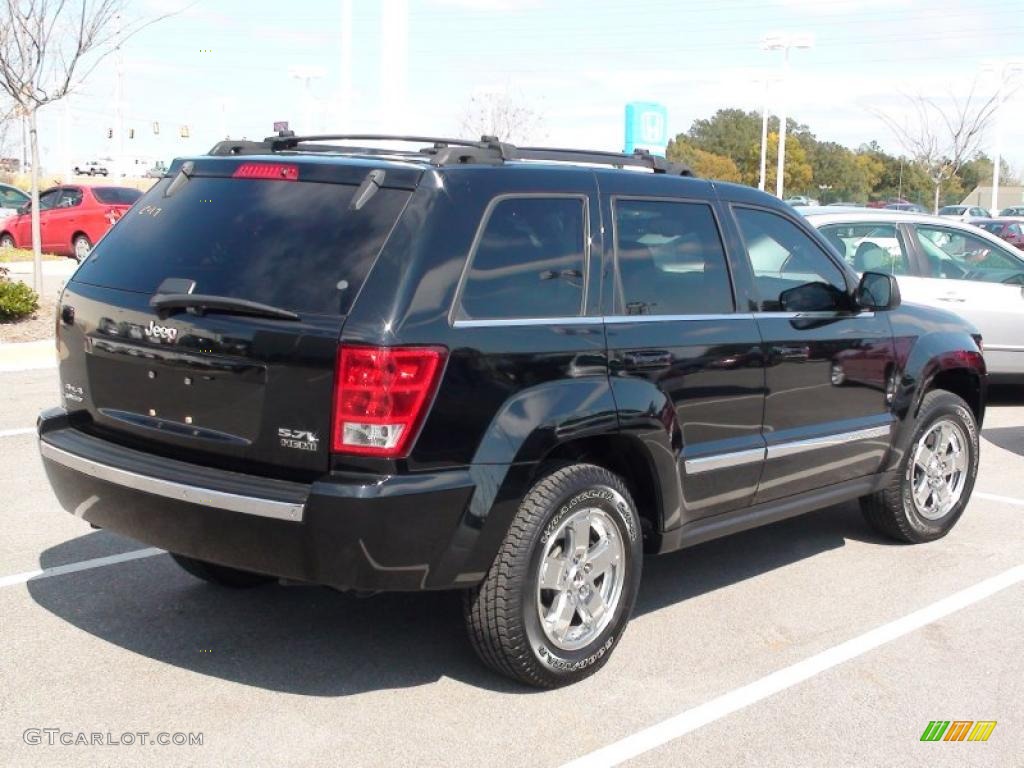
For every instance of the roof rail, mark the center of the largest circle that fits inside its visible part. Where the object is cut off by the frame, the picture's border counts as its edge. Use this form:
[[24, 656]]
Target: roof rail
[[445, 151]]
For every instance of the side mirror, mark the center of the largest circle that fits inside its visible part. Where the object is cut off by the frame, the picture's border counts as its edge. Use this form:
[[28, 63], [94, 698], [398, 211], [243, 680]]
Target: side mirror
[[877, 291], [26, 208], [811, 297]]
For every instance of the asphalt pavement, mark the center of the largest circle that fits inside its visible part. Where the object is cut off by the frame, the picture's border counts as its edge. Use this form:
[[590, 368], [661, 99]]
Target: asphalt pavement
[[812, 642]]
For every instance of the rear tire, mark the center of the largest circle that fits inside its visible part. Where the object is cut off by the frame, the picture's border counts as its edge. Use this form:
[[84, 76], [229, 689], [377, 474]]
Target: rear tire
[[221, 574], [562, 587], [935, 478]]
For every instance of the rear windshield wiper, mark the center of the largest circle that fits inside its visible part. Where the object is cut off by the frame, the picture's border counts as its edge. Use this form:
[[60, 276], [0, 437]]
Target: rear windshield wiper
[[200, 303]]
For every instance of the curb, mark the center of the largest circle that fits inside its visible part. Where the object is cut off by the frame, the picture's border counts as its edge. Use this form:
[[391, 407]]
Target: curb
[[27, 356]]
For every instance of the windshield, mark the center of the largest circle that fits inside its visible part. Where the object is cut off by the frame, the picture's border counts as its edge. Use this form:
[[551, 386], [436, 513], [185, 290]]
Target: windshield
[[290, 245]]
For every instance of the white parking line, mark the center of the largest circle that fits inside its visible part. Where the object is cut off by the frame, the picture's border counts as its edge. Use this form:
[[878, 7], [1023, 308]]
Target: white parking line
[[16, 432], [740, 698], [85, 565], [995, 497]]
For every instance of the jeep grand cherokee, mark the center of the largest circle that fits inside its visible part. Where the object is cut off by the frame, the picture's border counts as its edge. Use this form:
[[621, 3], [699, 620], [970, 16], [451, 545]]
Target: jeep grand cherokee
[[507, 371]]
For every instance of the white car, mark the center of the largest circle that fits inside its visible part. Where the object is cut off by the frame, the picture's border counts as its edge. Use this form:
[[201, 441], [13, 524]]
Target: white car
[[964, 212], [945, 263], [11, 200]]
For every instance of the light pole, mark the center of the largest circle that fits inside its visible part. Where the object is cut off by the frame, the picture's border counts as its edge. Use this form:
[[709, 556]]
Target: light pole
[[784, 43], [762, 174], [307, 75], [1004, 73]]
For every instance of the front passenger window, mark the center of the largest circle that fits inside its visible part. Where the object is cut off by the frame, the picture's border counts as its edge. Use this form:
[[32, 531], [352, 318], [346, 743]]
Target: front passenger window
[[791, 272]]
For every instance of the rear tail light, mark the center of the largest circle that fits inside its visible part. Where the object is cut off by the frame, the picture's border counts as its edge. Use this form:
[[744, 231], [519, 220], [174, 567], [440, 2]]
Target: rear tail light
[[381, 395], [267, 171]]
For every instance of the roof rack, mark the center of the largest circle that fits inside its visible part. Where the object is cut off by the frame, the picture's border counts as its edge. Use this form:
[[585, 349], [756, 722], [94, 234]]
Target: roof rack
[[445, 151]]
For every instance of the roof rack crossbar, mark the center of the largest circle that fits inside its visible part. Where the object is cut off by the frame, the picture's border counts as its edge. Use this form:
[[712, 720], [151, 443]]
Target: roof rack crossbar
[[446, 151]]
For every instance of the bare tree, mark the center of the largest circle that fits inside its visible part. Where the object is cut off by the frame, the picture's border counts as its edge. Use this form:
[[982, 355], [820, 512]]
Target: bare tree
[[47, 48], [501, 114], [941, 138]]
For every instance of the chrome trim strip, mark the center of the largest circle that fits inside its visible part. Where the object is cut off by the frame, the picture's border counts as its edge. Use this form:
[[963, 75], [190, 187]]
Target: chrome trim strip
[[518, 321], [626, 319], [1003, 347], [815, 443], [830, 315], [739, 458], [723, 461], [247, 505]]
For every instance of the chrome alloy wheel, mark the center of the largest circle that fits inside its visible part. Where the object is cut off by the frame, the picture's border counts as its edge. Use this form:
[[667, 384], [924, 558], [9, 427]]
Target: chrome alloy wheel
[[579, 582], [939, 469]]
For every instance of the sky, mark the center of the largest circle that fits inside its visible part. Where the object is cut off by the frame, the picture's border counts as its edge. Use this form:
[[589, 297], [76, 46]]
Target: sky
[[226, 67]]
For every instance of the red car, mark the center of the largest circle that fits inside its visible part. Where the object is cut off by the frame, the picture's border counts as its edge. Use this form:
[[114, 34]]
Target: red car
[[71, 219], [1011, 230]]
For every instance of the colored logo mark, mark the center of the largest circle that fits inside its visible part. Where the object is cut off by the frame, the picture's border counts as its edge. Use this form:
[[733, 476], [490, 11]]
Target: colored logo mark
[[958, 730]]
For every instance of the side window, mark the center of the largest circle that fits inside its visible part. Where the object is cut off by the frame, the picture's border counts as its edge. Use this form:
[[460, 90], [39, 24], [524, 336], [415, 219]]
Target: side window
[[48, 199], [670, 259], [957, 255], [12, 198], [529, 261], [791, 271], [69, 198], [868, 247]]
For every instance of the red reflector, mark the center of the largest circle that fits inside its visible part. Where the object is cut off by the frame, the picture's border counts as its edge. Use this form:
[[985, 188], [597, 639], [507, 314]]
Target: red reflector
[[271, 171], [381, 395]]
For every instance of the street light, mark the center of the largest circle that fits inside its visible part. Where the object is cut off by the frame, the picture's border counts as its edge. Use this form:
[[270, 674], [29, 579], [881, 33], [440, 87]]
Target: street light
[[762, 173], [1005, 72], [308, 75], [784, 43]]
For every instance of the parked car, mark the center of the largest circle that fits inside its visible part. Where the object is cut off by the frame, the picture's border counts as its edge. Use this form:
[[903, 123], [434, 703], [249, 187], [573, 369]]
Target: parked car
[[1016, 211], [909, 207], [71, 218], [964, 212], [942, 262], [500, 370], [1010, 230], [158, 170], [11, 199], [91, 168], [801, 200]]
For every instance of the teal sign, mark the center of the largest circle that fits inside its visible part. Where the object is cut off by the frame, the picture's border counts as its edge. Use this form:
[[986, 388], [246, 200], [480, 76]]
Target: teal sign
[[646, 127]]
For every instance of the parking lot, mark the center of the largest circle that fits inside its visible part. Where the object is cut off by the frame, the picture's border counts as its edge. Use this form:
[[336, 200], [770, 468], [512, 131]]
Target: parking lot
[[808, 642]]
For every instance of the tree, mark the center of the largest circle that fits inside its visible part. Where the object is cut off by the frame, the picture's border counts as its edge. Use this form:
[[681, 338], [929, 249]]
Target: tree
[[47, 48], [799, 172], [942, 137], [707, 165], [501, 114]]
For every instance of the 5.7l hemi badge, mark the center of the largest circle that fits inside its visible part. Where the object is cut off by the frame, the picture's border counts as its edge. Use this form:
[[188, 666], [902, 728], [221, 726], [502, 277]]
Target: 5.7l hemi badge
[[300, 439]]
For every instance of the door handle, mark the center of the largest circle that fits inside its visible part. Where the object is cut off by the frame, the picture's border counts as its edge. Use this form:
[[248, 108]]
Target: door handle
[[952, 298], [646, 361]]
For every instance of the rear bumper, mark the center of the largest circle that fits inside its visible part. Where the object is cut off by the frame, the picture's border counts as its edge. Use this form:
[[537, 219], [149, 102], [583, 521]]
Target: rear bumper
[[349, 532]]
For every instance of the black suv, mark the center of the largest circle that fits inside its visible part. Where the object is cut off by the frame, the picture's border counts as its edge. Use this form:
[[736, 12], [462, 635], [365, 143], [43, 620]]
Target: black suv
[[476, 366]]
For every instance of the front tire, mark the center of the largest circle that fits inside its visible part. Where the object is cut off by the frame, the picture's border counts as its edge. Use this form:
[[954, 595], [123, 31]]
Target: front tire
[[6, 241], [221, 574], [936, 476], [562, 587], [81, 247]]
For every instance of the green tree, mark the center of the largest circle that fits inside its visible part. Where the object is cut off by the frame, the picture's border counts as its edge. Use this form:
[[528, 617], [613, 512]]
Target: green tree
[[799, 172], [707, 165]]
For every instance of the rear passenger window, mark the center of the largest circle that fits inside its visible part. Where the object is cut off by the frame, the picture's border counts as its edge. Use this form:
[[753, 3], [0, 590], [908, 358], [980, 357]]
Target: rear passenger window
[[670, 259], [529, 262], [869, 247]]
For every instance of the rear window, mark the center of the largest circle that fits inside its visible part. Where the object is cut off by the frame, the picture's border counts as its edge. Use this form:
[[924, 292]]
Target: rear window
[[116, 195], [294, 245]]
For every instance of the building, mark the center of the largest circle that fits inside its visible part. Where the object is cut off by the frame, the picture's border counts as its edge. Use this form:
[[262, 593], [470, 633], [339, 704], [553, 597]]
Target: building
[[982, 197]]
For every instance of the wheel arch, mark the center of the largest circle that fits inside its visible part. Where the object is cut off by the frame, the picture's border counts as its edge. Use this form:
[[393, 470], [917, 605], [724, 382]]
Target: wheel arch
[[626, 457]]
